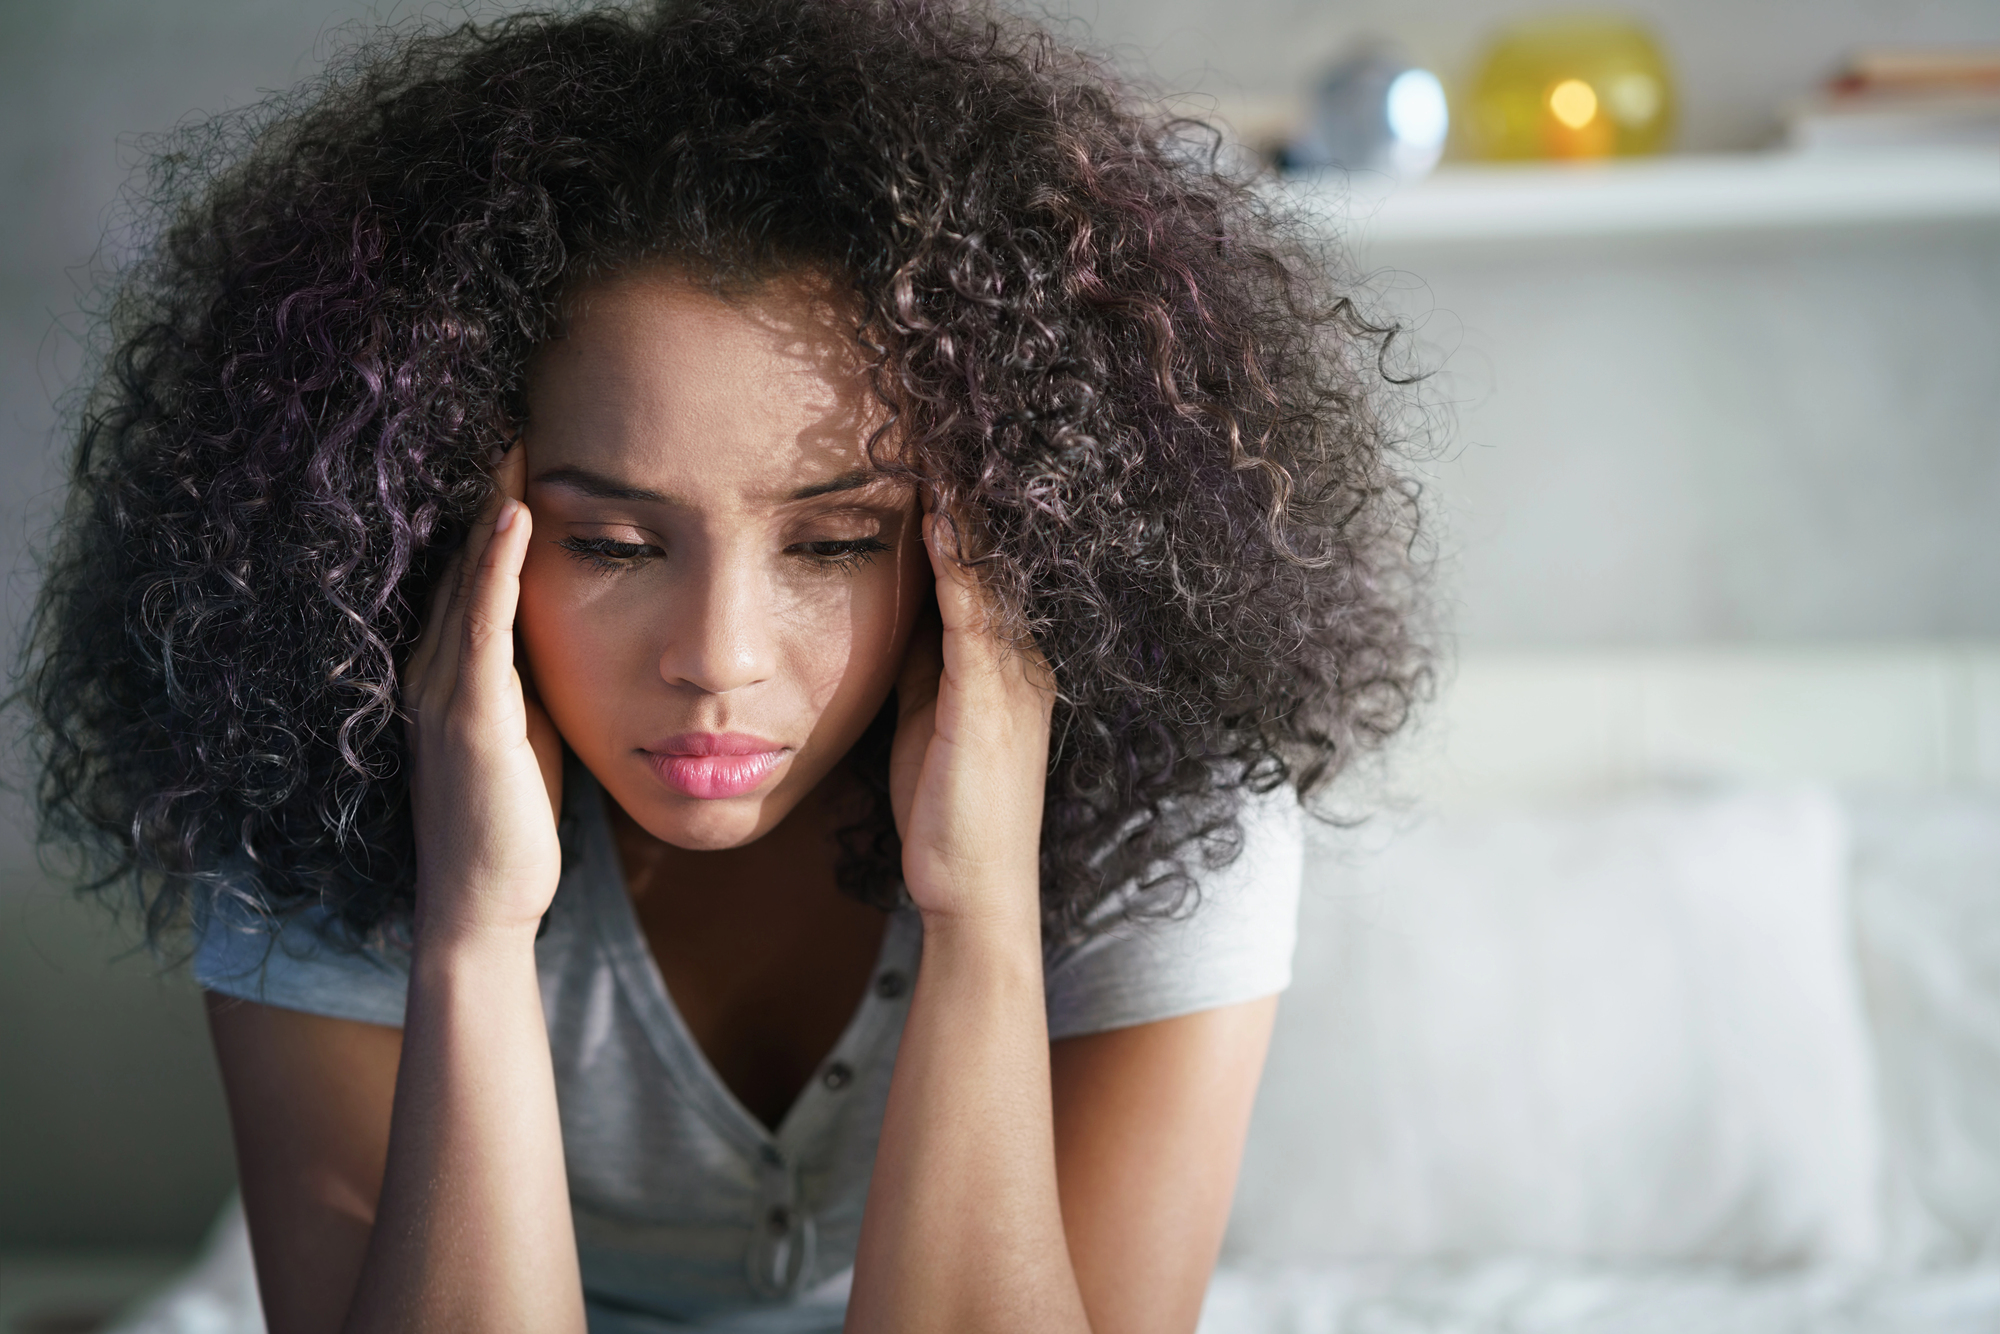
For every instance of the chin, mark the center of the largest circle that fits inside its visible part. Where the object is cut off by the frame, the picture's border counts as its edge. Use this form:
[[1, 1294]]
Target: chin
[[707, 826]]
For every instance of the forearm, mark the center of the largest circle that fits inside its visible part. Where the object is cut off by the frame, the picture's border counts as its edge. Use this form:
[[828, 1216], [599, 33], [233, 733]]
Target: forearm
[[964, 1226], [473, 1228]]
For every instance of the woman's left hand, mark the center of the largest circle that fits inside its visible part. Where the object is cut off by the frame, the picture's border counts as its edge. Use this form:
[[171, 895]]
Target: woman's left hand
[[969, 1115], [970, 758]]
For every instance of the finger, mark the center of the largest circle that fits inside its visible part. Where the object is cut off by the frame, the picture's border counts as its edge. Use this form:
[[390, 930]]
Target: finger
[[970, 622], [480, 536], [974, 633], [417, 668], [446, 634], [512, 472], [486, 644]]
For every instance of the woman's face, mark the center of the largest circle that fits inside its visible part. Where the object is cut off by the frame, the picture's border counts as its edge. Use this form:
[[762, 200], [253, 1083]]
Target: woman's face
[[719, 592]]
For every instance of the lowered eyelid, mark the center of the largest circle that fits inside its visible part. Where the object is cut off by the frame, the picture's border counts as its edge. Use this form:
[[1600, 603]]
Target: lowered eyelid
[[615, 529], [838, 535]]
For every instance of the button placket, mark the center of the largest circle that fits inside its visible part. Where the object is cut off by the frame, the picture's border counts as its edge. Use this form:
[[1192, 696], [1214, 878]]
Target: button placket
[[782, 1254], [783, 1240]]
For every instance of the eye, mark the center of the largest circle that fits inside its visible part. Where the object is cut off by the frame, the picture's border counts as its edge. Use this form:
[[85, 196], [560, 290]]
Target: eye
[[604, 553], [843, 554]]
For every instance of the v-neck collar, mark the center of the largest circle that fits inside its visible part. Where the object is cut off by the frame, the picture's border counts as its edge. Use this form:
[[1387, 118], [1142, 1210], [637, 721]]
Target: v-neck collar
[[873, 1021]]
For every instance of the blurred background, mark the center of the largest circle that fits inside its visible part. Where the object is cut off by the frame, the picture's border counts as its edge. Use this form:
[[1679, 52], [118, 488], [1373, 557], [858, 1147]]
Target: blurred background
[[1716, 344]]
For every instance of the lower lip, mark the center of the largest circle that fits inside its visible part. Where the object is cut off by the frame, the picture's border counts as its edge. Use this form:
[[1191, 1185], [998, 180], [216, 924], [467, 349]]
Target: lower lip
[[714, 777]]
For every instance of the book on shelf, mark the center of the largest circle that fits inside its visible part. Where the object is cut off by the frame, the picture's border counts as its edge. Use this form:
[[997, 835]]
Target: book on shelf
[[1904, 98]]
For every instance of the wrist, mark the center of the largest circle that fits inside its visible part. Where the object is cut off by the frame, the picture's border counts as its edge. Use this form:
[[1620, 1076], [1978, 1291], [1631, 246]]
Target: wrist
[[992, 941], [443, 936], [1000, 897]]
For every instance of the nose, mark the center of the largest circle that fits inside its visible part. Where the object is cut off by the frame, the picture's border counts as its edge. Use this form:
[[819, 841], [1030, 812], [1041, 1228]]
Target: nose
[[720, 639]]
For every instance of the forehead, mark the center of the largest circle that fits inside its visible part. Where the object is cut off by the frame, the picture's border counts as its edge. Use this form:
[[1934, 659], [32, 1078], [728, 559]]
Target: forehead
[[662, 381]]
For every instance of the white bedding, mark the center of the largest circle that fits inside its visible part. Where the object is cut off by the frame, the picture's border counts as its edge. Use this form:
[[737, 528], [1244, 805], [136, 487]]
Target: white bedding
[[1524, 1296], [1512, 1296], [1619, 1031]]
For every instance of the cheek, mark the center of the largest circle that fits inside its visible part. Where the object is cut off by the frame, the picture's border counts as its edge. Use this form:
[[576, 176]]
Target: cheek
[[831, 637], [574, 650], [846, 651]]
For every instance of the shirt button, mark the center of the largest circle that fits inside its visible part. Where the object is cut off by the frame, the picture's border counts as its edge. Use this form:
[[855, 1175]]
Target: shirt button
[[779, 1220], [891, 985], [838, 1076], [771, 1156]]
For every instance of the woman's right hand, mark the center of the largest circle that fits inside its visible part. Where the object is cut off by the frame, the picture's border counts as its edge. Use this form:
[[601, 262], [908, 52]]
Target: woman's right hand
[[486, 761]]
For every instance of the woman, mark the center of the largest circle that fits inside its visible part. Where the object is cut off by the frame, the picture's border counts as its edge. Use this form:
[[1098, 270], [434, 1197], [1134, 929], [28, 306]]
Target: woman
[[719, 617]]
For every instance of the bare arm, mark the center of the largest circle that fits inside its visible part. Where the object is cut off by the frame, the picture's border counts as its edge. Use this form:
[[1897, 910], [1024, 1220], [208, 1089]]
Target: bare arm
[[309, 1101], [1084, 1187], [1015, 1189], [444, 1204], [458, 1216], [964, 1228], [1150, 1123], [473, 1227]]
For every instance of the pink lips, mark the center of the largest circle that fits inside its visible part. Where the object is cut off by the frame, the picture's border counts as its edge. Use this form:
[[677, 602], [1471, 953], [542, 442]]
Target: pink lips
[[711, 765]]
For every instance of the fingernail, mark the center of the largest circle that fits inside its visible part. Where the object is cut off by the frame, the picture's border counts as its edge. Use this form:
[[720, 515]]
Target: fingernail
[[507, 508]]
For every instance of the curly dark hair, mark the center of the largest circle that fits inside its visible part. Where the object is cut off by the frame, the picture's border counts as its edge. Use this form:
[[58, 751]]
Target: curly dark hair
[[1163, 424]]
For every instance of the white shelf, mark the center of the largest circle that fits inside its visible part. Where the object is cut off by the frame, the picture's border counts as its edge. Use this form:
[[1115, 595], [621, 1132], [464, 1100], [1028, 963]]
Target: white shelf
[[1661, 196]]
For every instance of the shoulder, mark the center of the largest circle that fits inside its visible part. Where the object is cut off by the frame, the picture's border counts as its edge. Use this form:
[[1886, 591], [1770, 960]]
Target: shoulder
[[301, 960], [1233, 944], [302, 957]]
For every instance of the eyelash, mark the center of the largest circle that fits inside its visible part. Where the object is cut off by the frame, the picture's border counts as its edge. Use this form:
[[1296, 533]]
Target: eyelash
[[847, 554], [603, 553]]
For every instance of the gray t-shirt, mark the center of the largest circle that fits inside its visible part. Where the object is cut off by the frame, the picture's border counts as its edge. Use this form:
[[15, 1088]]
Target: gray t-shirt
[[690, 1213]]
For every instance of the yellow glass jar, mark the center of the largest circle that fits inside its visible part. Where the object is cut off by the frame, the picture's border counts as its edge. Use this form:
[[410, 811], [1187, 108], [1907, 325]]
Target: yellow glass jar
[[1571, 86]]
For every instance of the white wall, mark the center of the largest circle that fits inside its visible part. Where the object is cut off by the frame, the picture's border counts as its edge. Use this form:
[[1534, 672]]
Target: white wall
[[1786, 436]]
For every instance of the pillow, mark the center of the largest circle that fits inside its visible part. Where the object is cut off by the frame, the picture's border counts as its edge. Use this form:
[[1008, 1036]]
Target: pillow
[[1927, 914], [1628, 1032]]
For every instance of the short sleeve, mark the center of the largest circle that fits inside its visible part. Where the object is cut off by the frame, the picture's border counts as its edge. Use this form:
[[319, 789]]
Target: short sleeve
[[1235, 946], [238, 953]]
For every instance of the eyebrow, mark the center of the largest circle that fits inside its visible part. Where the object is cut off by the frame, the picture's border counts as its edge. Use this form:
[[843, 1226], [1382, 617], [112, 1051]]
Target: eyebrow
[[599, 487], [847, 481]]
